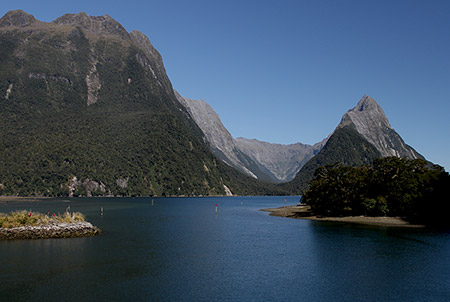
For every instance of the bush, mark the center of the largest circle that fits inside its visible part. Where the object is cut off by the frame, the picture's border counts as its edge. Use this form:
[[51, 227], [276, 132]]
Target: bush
[[26, 218]]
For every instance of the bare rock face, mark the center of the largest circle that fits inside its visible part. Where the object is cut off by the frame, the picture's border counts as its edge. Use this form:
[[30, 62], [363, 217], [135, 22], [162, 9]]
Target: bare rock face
[[370, 121], [284, 161], [152, 59], [220, 140], [262, 160]]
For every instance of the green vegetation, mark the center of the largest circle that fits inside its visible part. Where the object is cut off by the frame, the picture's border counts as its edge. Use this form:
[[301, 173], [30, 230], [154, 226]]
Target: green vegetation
[[26, 218], [390, 187], [136, 131], [345, 146]]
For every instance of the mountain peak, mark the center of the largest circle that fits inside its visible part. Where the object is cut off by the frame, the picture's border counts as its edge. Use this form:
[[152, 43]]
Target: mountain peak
[[365, 115], [369, 120], [367, 103], [95, 24], [17, 18]]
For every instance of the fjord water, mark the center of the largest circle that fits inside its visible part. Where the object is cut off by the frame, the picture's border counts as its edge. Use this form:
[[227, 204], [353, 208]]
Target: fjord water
[[180, 249]]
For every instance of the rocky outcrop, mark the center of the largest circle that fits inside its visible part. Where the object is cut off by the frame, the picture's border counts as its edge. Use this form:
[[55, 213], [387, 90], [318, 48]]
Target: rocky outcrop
[[17, 18], [369, 120], [50, 230], [93, 84], [88, 186]]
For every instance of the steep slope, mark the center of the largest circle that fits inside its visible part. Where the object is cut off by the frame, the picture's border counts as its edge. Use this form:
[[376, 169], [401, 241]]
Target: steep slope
[[370, 121], [262, 160], [363, 135], [86, 108], [282, 161], [220, 140]]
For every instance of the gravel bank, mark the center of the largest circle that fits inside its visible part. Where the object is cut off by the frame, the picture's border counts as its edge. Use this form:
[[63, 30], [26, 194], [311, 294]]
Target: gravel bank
[[51, 230], [303, 212]]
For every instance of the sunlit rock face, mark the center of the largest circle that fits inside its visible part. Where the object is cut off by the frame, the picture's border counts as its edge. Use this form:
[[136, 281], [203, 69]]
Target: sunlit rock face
[[370, 121]]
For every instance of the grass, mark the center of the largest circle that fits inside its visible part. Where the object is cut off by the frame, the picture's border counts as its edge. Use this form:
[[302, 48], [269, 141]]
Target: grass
[[27, 218]]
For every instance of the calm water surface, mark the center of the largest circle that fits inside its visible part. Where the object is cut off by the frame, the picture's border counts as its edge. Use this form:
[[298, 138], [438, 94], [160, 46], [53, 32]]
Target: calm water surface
[[179, 249]]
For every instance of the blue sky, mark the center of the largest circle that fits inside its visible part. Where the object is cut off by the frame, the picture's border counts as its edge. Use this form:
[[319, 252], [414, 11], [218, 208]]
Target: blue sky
[[286, 71]]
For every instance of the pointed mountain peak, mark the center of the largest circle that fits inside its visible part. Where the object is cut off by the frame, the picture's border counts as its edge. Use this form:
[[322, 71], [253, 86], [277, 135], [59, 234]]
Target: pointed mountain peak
[[366, 103], [369, 120], [366, 113], [17, 18]]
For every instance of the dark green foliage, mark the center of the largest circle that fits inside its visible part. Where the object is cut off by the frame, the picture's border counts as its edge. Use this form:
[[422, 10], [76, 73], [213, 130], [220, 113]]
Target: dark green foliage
[[135, 131], [392, 186], [345, 146]]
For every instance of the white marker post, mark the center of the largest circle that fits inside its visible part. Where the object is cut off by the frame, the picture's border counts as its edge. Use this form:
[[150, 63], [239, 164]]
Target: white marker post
[[101, 211], [216, 208]]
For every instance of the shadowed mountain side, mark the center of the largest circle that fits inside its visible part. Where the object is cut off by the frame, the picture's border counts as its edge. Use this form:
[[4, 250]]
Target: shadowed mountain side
[[87, 109], [345, 146]]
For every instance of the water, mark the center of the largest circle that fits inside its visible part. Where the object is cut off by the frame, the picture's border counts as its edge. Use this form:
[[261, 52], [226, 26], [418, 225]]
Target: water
[[179, 249]]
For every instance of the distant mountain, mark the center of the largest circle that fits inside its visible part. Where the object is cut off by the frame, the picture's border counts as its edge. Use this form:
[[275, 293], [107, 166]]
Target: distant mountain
[[262, 160], [282, 161], [219, 139], [363, 134], [86, 108]]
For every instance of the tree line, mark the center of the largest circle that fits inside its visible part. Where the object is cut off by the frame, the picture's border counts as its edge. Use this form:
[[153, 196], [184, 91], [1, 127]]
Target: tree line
[[413, 189]]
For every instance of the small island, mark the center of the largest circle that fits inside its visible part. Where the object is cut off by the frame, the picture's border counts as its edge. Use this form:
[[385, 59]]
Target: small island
[[32, 225]]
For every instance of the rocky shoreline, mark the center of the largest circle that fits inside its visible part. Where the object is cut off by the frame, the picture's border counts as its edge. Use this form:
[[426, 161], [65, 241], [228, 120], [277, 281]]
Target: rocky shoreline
[[50, 230], [303, 212]]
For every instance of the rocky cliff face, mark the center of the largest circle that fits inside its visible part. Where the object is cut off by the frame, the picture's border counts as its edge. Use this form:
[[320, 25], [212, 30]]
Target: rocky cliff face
[[369, 120], [220, 140]]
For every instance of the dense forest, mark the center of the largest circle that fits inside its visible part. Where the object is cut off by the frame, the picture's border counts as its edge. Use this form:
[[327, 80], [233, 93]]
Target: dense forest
[[87, 113], [392, 186]]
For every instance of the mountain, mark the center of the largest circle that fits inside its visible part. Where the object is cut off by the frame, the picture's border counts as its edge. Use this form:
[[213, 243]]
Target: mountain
[[265, 161], [219, 139], [363, 135], [369, 120], [282, 161], [86, 108]]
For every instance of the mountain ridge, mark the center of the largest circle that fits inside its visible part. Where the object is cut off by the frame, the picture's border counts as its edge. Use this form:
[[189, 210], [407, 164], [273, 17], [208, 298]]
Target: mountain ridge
[[88, 109], [265, 161]]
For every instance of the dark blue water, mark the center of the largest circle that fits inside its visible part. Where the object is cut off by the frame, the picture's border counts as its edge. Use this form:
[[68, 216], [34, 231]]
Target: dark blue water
[[179, 249]]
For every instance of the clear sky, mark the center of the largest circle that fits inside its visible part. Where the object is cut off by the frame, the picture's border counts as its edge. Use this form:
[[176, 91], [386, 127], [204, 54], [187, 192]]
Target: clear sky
[[286, 71]]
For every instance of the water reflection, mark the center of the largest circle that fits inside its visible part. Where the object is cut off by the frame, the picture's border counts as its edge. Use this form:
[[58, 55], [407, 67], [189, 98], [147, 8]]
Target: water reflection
[[179, 249]]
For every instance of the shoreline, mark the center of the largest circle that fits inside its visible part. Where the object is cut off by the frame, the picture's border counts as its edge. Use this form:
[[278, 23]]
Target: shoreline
[[8, 199], [303, 212], [51, 230]]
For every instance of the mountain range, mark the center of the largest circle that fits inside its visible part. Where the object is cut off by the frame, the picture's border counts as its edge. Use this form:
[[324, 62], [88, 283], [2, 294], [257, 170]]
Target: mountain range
[[86, 108], [363, 134]]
